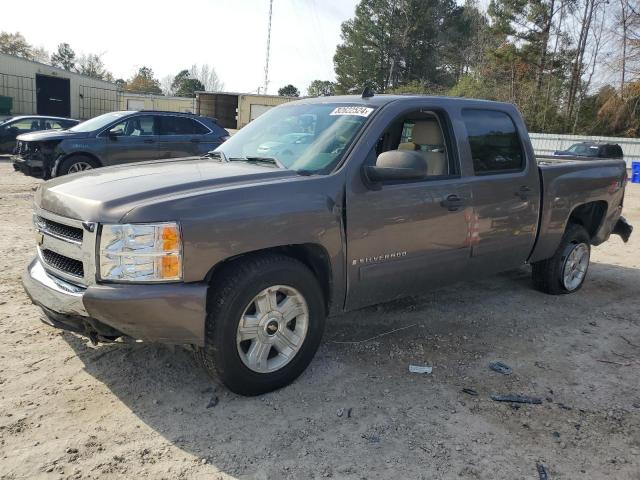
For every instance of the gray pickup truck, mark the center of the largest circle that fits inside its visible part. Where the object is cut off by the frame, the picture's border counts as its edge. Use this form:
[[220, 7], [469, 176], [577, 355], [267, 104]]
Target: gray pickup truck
[[241, 256]]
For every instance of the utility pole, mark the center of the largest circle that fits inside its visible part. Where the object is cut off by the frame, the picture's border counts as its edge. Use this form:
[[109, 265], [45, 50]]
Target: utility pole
[[266, 65]]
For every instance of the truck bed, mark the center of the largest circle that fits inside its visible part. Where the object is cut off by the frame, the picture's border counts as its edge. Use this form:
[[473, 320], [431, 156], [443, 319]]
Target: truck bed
[[571, 182]]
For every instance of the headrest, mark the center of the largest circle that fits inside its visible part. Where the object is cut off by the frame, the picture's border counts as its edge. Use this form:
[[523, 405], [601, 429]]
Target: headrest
[[427, 133]]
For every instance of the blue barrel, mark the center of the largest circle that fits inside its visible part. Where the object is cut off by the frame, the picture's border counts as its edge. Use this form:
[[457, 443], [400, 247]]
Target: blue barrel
[[635, 172]]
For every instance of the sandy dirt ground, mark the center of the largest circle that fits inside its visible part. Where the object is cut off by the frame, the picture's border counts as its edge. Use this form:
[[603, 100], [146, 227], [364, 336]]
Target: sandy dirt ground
[[71, 410]]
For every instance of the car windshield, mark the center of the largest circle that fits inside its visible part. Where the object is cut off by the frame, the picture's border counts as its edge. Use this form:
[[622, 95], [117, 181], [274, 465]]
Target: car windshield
[[97, 122], [309, 138], [584, 149]]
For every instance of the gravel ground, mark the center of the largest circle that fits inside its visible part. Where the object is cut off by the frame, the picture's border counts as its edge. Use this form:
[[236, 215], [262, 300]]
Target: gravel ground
[[71, 410]]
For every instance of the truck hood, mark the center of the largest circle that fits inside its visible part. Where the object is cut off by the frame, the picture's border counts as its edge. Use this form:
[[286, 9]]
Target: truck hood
[[51, 135], [107, 194]]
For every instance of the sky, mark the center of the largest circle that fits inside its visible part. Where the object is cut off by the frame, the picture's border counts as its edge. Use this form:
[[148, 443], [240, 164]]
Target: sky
[[229, 35]]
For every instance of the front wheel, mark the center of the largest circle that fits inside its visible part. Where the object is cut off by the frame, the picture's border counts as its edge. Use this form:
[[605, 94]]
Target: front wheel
[[75, 164], [566, 271], [265, 320]]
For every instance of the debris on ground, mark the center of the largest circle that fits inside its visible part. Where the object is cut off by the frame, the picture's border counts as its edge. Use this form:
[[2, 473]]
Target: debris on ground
[[420, 369], [213, 402], [516, 399], [470, 391], [501, 368], [543, 474]]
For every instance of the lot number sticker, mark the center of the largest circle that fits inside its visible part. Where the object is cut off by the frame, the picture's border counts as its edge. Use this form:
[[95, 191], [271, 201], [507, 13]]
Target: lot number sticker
[[359, 111]]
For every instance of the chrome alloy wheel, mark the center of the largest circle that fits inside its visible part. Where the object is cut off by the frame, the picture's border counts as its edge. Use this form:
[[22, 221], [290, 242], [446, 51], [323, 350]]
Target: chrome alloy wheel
[[272, 328], [575, 266], [79, 167]]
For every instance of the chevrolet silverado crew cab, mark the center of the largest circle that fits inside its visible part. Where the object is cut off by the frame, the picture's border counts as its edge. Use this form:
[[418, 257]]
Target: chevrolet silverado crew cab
[[241, 256]]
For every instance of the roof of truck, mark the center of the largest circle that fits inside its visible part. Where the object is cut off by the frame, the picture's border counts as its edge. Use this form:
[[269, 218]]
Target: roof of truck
[[379, 100]]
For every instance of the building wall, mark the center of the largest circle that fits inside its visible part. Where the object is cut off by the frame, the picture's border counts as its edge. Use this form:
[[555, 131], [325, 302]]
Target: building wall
[[136, 101], [547, 143], [88, 96], [259, 104]]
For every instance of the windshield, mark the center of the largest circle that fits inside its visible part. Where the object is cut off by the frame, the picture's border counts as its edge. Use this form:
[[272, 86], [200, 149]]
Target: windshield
[[308, 138], [98, 122], [582, 149]]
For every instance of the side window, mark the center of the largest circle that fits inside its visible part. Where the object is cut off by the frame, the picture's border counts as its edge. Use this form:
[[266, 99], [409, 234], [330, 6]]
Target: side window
[[170, 125], [494, 142], [421, 132], [138, 126], [52, 125], [26, 125]]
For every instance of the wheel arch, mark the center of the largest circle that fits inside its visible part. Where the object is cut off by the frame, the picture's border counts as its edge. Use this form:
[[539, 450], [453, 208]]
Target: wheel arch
[[63, 158], [313, 255], [590, 215]]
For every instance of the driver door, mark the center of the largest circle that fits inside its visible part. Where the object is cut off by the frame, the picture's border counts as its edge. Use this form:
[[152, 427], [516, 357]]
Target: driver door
[[131, 140], [404, 237]]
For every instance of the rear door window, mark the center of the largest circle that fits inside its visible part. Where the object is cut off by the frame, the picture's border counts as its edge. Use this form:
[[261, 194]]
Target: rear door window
[[170, 125], [494, 142]]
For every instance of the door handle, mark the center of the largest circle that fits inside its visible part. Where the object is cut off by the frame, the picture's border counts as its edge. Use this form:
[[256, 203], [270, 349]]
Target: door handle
[[523, 192], [452, 203], [148, 140]]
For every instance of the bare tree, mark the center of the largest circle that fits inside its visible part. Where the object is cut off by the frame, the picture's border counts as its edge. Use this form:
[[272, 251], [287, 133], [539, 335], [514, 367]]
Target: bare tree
[[166, 84], [207, 76]]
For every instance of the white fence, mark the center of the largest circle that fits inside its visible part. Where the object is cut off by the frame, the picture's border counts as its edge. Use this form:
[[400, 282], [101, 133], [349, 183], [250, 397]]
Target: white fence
[[547, 143]]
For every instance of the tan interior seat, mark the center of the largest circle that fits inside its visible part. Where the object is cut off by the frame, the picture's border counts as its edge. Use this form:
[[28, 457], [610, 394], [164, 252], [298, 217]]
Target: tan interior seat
[[427, 139]]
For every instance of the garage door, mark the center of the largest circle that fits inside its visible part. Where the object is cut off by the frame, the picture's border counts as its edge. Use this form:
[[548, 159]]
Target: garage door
[[53, 96], [257, 110], [135, 104]]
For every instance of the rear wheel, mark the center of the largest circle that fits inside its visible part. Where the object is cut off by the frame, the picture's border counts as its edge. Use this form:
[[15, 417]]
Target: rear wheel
[[264, 324], [75, 164], [566, 271]]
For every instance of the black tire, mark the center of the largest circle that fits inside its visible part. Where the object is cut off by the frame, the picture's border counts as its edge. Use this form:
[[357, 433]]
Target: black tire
[[548, 274], [228, 298], [69, 163]]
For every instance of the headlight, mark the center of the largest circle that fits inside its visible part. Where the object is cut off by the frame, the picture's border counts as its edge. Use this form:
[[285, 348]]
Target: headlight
[[141, 252]]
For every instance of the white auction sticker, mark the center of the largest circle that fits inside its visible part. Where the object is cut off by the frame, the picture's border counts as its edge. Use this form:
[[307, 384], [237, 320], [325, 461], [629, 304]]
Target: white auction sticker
[[359, 111]]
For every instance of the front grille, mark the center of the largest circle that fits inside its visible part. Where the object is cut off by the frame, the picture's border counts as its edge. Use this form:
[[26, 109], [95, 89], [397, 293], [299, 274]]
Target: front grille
[[61, 230], [62, 263]]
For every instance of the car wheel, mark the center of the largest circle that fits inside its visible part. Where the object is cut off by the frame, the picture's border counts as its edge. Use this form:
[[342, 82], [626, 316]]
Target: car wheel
[[566, 271], [264, 323], [75, 164]]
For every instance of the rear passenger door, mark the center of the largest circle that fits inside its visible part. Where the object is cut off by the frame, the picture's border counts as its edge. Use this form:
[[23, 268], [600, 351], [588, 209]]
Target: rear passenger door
[[181, 137], [505, 188]]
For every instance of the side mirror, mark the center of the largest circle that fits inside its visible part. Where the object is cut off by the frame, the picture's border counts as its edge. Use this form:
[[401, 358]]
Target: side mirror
[[113, 135], [397, 165]]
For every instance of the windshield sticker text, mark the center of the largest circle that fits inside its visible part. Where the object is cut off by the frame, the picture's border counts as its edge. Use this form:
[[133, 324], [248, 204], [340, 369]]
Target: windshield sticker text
[[359, 111]]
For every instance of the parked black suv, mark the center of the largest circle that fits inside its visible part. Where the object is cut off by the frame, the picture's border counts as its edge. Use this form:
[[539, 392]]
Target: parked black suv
[[591, 150], [14, 126], [115, 138]]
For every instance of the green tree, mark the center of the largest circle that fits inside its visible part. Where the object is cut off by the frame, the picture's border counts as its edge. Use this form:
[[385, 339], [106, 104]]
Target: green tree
[[391, 43], [64, 57], [319, 88], [289, 91], [143, 82], [184, 85]]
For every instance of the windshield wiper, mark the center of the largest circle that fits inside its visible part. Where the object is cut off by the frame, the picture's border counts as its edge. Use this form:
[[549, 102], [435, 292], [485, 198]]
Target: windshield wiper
[[269, 160], [218, 154]]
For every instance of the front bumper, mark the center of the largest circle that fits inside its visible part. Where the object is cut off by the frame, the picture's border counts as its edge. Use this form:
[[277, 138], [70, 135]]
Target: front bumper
[[166, 313], [28, 166]]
